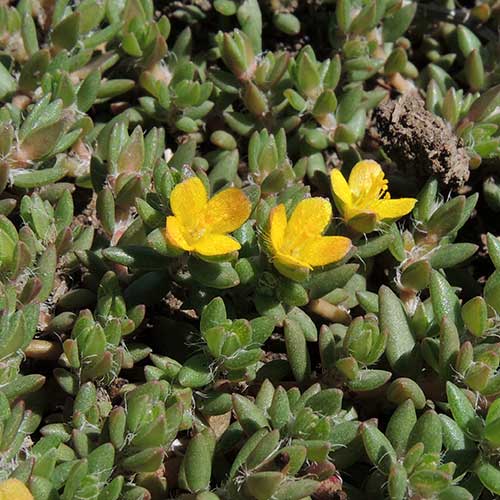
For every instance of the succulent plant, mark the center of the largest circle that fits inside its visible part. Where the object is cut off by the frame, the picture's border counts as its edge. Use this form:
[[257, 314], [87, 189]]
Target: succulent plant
[[248, 250]]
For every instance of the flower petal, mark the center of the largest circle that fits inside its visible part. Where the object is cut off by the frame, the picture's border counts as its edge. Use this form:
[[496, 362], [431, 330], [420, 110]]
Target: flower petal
[[188, 200], [175, 234], [277, 227], [216, 244], [14, 489], [363, 172], [308, 220], [325, 250], [289, 261], [341, 190], [227, 211], [292, 269], [394, 209], [367, 178]]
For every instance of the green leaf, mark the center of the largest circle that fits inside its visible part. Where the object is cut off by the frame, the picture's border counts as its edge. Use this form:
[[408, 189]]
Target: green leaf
[[296, 490], [327, 402], [101, 461], [459, 448], [148, 460], [213, 314], [451, 255], [378, 448], [427, 430], [65, 34], [445, 303], [449, 345], [279, 411], [494, 249], [7, 83], [489, 475], [400, 426], [87, 93], [368, 380], [397, 482], [250, 416], [264, 450], [447, 217], [416, 276], [343, 14], [28, 31], [455, 493], [225, 7], [219, 275], [492, 291], [484, 105], [305, 322], [461, 408], [298, 355], [321, 283], [394, 26], [262, 485], [250, 443], [195, 372], [492, 432], [467, 40], [400, 342], [112, 490], [287, 23], [198, 463], [429, 482], [404, 389], [76, 475]]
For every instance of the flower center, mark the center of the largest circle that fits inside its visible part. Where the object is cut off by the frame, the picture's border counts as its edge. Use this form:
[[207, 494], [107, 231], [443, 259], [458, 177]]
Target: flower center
[[370, 192], [294, 246], [196, 229]]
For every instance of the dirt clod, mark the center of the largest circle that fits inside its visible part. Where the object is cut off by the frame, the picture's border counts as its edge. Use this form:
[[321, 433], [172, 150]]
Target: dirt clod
[[420, 143]]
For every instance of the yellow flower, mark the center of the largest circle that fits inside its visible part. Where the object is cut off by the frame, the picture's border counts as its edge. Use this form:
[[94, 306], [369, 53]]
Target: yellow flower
[[297, 244], [13, 489], [365, 201], [201, 225]]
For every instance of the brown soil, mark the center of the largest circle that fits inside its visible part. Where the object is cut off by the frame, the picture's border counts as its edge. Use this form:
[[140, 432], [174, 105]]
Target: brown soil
[[421, 143]]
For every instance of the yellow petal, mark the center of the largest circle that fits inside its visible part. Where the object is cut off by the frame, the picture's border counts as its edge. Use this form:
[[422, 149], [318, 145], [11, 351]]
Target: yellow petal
[[289, 261], [13, 489], [341, 190], [394, 209], [175, 234], [293, 270], [367, 182], [308, 220], [216, 244], [277, 227], [325, 250], [227, 211], [188, 200], [363, 172]]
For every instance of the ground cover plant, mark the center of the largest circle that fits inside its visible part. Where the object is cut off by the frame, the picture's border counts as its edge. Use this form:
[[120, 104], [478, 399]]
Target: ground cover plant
[[249, 249]]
